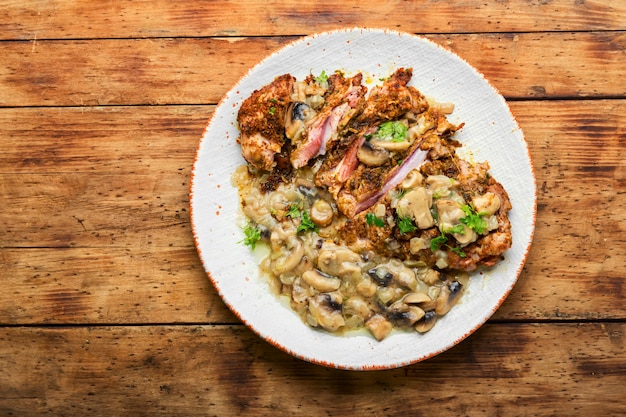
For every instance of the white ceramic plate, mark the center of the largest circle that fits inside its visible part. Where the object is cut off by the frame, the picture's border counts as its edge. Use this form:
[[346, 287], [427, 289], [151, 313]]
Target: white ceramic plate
[[490, 133]]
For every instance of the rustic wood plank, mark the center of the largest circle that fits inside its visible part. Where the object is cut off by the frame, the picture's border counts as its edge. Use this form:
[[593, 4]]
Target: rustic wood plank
[[564, 137], [116, 199], [77, 209], [107, 285], [130, 19], [143, 285], [106, 140], [543, 370], [137, 71], [200, 71]]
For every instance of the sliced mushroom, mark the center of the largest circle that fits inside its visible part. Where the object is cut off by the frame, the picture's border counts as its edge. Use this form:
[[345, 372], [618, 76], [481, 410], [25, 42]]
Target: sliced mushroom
[[299, 292], [322, 212], [320, 281], [440, 185], [379, 326], [448, 297], [381, 275], [297, 115], [492, 223], [404, 315], [450, 215], [406, 278], [416, 205], [287, 251], [366, 287], [371, 155], [410, 316], [427, 322], [339, 262], [325, 311], [423, 301], [390, 145], [357, 306], [416, 298], [486, 204], [413, 179], [425, 122], [306, 188]]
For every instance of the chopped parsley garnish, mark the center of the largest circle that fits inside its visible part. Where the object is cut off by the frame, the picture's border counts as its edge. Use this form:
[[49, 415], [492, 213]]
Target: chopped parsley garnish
[[305, 218], [401, 193], [373, 219], [306, 223], [458, 251], [436, 242], [473, 220], [294, 212], [272, 110], [322, 78], [405, 224], [394, 131], [253, 235], [456, 229], [440, 194]]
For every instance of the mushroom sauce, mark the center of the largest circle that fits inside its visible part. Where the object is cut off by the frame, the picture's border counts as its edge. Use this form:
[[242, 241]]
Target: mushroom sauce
[[387, 245]]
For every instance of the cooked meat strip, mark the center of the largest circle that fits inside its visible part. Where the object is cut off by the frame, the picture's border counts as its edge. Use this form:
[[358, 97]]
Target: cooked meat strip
[[367, 184], [487, 250], [261, 121], [340, 103], [389, 101], [340, 163], [388, 240]]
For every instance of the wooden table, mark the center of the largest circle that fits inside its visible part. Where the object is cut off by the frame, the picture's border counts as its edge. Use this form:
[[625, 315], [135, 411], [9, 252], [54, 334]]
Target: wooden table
[[105, 308]]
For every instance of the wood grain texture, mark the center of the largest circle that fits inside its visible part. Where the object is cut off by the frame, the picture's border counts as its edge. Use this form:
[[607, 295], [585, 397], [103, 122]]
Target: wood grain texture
[[109, 140], [78, 178], [201, 71], [95, 286], [105, 307], [161, 18], [223, 370]]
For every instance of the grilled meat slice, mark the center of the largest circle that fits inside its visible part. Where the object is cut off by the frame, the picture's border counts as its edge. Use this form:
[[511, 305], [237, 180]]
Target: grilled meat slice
[[340, 163], [390, 101], [368, 184], [388, 240], [341, 102], [431, 134], [487, 250], [261, 121]]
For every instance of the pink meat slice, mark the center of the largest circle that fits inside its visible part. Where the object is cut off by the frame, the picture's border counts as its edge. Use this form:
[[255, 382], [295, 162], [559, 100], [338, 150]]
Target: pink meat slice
[[415, 161], [351, 201], [318, 137], [344, 96]]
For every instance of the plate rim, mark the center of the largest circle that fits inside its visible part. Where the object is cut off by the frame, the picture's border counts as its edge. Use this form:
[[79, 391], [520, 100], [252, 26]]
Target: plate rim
[[268, 338]]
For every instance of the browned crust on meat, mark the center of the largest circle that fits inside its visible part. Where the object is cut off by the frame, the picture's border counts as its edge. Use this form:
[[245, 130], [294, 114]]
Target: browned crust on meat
[[261, 120]]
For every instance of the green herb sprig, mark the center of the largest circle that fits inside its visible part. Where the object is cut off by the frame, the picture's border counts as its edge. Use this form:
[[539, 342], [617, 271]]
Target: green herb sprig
[[253, 235], [374, 220], [305, 218], [473, 220], [436, 242], [394, 131], [322, 78], [405, 224]]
